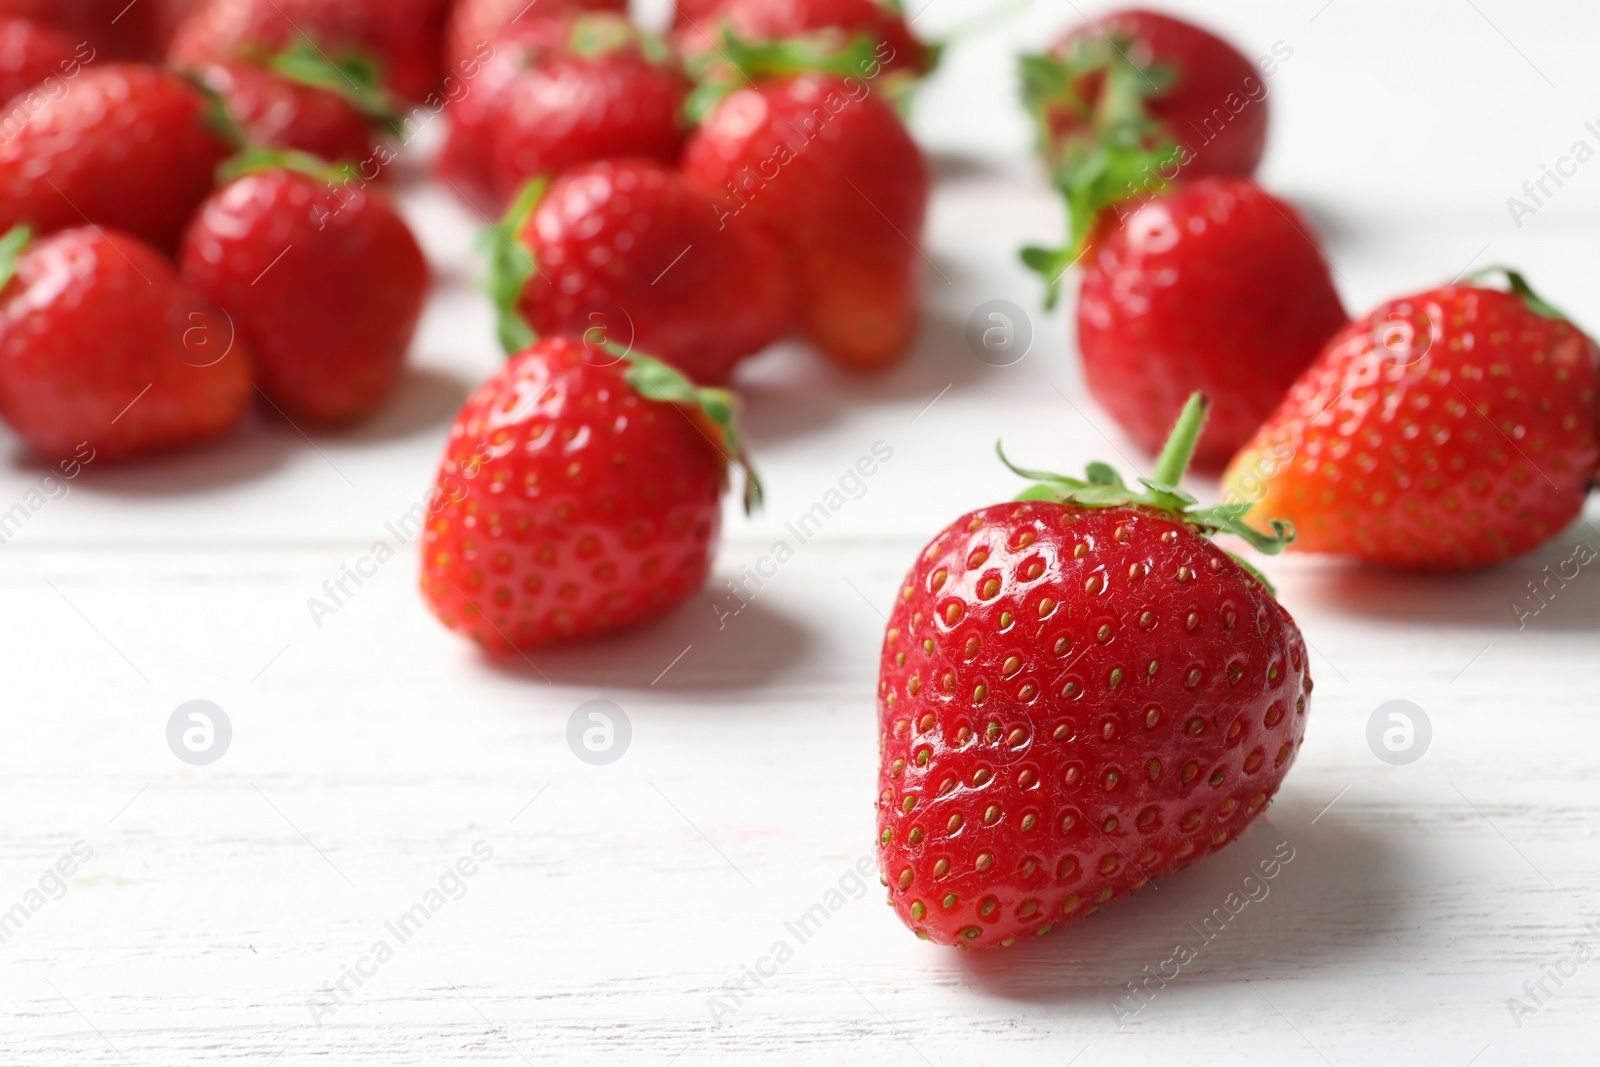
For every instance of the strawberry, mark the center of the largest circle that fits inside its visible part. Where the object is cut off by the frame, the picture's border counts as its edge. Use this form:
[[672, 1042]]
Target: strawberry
[[1078, 693], [399, 38], [1447, 430], [576, 496], [327, 301], [689, 13], [30, 52], [275, 111], [117, 30], [1189, 87], [102, 342], [130, 147], [476, 23], [825, 166], [826, 24], [1214, 286], [578, 89], [629, 251]]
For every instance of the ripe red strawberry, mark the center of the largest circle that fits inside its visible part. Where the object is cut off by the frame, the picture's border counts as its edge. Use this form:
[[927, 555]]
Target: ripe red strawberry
[[1078, 693], [327, 301], [629, 251], [689, 13], [128, 147], [1447, 430], [1192, 87], [275, 111], [560, 92], [30, 52], [576, 496], [402, 38], [1214, 286], [102, 342], [833, 24], [110, 29], [475, 23], [827, 168]]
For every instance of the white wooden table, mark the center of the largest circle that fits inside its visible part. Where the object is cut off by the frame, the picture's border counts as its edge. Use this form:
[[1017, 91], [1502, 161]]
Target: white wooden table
[[215, 911]]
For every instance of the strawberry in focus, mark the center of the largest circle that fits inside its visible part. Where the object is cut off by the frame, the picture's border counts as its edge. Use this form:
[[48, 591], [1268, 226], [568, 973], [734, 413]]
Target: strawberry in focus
[[1452, 429], [579, 494], [629, 252], [102, 342], [1215, 287], [326, 300], [1078, 693], [824, 166], [1189, 86], [561, 92], [131, 147]]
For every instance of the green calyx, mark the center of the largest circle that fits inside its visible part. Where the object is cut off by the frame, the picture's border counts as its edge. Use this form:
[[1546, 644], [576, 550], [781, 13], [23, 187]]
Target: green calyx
[[511, 264], [256, 160], [1103, 487], [735, 61], [713, 411], [599, 33], [1120, 153], [12, 245], [214, 112], [356, 78], [1518, 284]]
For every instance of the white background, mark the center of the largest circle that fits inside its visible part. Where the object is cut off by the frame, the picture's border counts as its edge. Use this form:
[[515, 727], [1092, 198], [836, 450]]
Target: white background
[[370, 753]]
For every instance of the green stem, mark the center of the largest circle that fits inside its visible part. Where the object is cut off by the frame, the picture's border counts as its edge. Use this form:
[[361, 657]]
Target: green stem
[[12, 245], [1519, 285], [1179, 449]]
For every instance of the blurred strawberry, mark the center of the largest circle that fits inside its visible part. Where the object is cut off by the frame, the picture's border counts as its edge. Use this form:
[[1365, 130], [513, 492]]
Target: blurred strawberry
[[1213, 287], [629, 252], [825, 167], [575, 499], [827, 25], [475, 24], [689, 13], [30, 52], [114, 29], [276, 111], [560, 92], [102, 342], [131, 147], [399, 38], [1187, 87], [327, 302]]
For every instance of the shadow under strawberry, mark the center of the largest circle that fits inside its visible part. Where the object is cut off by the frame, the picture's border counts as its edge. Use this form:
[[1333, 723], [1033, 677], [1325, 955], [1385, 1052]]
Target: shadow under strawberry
[[249, 452], [1336, 895], [1552, 589], [789, 393], [747, 651], [425, 400]]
